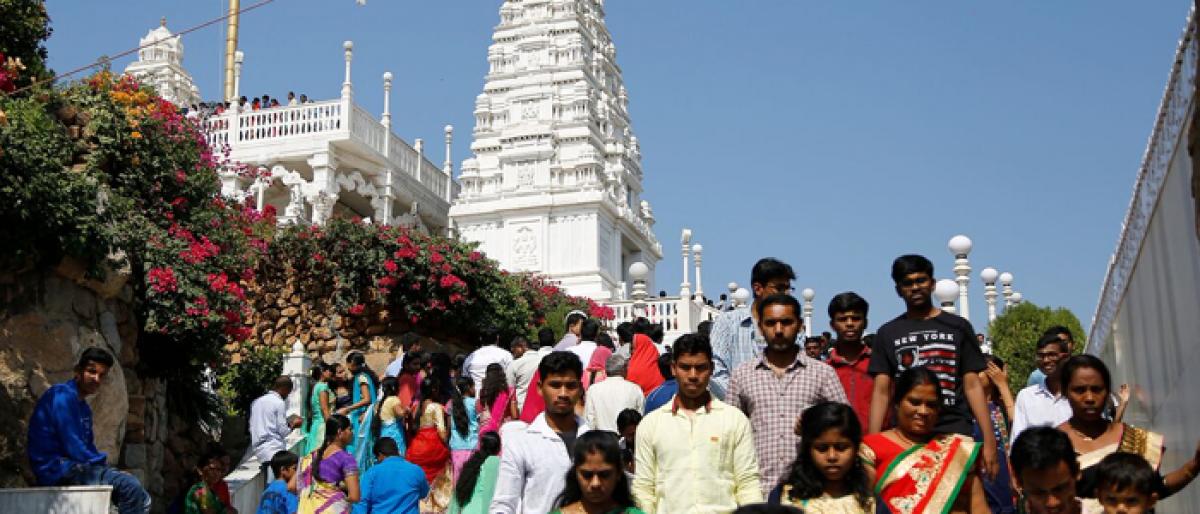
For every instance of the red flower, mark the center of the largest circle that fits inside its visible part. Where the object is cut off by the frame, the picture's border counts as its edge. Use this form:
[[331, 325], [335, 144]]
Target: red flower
[[475, 256], [405, 253], [318, 257], [162, 280], [436, 258], [388, 282], [390, 265], [357, 309]]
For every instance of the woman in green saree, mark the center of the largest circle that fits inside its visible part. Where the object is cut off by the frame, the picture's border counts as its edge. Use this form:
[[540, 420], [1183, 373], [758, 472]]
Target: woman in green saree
[[320, 405]]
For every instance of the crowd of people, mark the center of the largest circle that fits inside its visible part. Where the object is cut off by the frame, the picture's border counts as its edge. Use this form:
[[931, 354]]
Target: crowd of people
[[744, 415]]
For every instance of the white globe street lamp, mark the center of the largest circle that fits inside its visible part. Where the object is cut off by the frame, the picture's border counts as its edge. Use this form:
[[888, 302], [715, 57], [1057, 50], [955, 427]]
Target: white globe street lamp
[[741, 297], [1017, 298], [1006, 280], [945, 291], [960, 246], [808, 294], [989, 276], [638, 271]]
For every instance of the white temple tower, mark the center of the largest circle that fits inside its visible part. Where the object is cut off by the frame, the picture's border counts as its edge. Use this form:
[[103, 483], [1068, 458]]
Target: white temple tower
[[160, 65], [555, 184]]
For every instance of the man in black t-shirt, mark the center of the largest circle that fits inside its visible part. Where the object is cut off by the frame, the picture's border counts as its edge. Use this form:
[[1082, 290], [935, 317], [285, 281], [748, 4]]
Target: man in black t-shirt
[[945, 343]]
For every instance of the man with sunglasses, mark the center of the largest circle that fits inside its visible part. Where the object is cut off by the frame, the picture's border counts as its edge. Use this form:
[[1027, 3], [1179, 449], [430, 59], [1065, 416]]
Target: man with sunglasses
[[735, 336], [945, 343]]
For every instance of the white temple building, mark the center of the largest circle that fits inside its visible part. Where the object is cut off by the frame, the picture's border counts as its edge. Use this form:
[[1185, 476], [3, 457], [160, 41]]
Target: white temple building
[[160, 64], [555, 184], [332, 158]]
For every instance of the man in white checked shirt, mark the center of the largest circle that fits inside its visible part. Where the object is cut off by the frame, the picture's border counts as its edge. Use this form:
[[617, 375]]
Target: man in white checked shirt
[[774, 390]]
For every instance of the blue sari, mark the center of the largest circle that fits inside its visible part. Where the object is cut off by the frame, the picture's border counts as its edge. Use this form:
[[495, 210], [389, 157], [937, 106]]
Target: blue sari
[[363, 445]]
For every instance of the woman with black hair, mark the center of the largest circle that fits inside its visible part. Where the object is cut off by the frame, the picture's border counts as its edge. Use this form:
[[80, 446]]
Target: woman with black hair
[[916, 469], [320, 405], [477, 481], [464, 425], [429, 449], [1087, 385], [361, 411], [327, 480], [596, 482], [827, 476], [392, 413], [497, 403]]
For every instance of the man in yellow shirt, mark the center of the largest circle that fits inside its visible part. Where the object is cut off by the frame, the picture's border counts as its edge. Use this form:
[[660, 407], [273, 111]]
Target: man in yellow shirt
[[695, 454]]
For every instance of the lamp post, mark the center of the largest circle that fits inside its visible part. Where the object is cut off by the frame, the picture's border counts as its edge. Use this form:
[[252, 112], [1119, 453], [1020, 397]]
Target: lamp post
[[238, 57], [348, 47], [696, 252], [638, 271], [729, 303], [1006, 280], [808, 294], [960, 246], [945, 291], [1017, 298], [989, 276], [741, 297], [685, 289]]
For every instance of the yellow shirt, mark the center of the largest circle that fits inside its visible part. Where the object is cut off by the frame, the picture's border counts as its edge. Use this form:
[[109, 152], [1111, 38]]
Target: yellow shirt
[[704, 463]]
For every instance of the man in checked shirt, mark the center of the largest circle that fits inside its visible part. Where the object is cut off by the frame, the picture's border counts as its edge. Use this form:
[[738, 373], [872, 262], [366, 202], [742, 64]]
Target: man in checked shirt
[[775, 389]]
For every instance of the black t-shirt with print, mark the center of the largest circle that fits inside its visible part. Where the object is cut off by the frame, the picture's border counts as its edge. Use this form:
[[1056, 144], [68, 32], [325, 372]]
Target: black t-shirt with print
[[946, 345]]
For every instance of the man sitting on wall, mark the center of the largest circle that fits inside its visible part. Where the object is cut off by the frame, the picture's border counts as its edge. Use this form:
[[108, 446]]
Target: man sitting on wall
[[62, 449]]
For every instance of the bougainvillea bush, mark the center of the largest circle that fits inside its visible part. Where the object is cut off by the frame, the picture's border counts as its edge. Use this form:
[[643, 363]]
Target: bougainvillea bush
[[106, 173], [423, 280]]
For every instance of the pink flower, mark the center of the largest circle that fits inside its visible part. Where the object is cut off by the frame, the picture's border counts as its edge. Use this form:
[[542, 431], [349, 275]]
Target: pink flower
[[405, 253], [475, 256], [390, 265], [162, 280], [388, 282], [436, 258], [357, 310]]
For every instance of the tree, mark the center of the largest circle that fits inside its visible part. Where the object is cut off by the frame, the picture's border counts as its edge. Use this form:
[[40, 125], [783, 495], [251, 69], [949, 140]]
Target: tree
[[1015, 335]]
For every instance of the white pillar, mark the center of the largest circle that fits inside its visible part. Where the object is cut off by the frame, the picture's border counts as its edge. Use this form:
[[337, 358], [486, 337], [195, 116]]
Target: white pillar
[[989, 276], [1006, 280], [696, 251], [685, 289], [448, 163], [960, 246], [386, 119], [238, 57], [808, 294], [296, 365], [348, 46], [638, 272]]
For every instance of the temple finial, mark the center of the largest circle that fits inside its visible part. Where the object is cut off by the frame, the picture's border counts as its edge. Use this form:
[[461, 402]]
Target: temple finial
[[162, 22]]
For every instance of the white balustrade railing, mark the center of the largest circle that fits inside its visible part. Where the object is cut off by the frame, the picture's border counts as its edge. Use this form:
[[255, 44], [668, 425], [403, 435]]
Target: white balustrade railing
[[364, 128], [330, 117], [677, 315]]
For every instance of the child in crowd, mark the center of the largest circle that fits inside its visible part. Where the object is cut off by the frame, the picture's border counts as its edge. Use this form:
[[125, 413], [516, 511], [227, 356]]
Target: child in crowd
[[277, 499], [827, 475], [1125, 484], [627, 422]]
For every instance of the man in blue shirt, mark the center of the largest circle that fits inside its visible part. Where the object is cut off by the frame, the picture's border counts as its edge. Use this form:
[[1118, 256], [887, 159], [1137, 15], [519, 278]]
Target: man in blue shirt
[[662, 394], [393, 485], [277, 499], [61, 445]]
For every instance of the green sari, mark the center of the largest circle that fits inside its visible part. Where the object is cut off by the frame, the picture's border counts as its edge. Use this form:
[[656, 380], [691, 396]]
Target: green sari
[[315, 435], [201, 500]]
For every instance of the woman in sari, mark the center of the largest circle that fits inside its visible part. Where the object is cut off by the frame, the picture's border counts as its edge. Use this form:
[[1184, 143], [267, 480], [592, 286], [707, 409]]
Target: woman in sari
[[429, 449], [464, 425], [360, 411], [320, 405], [497, 403], [327, 479], [1087, 385], [392, 413], [914, 469], [202, 497], [475, 486]]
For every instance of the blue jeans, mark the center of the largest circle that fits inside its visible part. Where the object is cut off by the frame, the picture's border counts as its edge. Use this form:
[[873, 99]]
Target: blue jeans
[[128, 494]]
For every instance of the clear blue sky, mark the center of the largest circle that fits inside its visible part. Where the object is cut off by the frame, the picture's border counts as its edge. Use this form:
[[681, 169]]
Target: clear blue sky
[[833, 135]]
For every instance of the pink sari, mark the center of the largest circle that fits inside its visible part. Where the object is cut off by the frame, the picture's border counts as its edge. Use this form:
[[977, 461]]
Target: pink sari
[[498, 412]]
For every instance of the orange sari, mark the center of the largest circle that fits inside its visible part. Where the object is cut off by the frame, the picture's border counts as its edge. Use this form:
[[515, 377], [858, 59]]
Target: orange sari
[[922, 479]]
